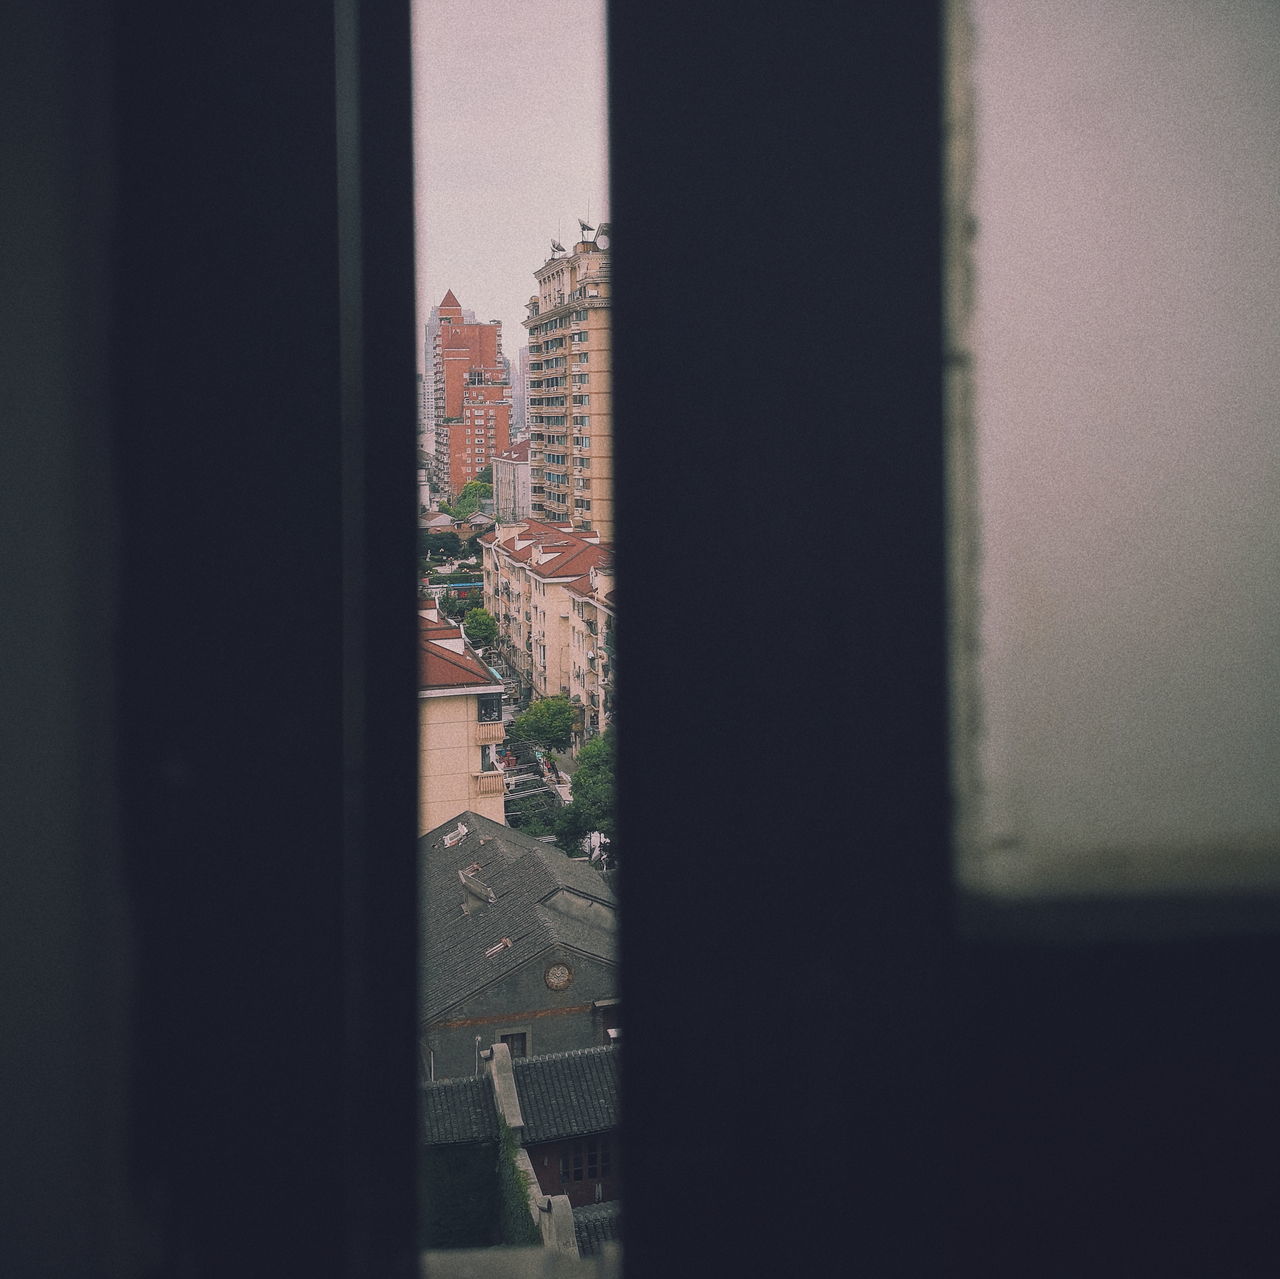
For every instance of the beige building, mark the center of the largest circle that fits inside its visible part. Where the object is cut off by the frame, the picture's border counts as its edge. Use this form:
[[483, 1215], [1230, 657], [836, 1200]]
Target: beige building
[[571, 389], [511, 484], [459, 724], [591, 649], [528, 568]]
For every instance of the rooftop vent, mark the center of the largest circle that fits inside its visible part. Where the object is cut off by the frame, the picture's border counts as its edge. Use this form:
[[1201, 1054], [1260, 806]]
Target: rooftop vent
[[455, 836]]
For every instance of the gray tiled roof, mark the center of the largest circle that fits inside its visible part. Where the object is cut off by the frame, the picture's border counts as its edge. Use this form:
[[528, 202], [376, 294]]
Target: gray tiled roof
[[543, 899], [571, 1094], [459, 1110], [595, 1224]]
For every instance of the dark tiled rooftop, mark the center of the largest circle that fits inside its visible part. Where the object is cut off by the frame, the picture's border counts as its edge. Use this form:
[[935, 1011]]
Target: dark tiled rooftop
[[596, 1224], [570, 1094], [459, 1110], [529, 880]]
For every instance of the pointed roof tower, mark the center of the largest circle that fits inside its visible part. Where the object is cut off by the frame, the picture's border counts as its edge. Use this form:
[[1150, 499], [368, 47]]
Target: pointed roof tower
[[450, 301]]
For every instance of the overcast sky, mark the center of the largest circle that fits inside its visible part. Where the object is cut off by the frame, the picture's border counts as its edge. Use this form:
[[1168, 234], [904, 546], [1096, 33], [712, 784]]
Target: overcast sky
[[511, 147]]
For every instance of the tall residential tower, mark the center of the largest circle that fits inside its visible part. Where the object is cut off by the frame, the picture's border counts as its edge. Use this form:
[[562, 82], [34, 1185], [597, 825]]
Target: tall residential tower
[[471, 403], [571, 387]]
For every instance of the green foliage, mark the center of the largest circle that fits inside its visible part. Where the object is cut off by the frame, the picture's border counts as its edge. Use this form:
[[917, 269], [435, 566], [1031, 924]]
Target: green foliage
[[447, 543], [548, 722], [593, 805], [457, 607], [485, 477], [515, 1223], [481, 627], [468, 502], [531, 814]]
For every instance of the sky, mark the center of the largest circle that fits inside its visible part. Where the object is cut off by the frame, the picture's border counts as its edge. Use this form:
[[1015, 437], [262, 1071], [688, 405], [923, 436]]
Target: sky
[[1127, 392], [510, 147]]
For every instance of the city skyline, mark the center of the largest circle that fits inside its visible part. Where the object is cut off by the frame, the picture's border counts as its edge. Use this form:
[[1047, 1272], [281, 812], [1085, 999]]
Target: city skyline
[[510, 148]]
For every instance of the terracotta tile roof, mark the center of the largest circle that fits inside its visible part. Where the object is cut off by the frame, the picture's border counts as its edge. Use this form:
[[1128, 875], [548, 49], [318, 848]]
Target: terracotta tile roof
[[517, 452], [450, 300], [437, 630], [573, 561], [440, 667]]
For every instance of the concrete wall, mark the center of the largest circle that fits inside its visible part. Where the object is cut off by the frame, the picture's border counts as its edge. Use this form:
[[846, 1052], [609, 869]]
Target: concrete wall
[[554, 1021], [448, 759]]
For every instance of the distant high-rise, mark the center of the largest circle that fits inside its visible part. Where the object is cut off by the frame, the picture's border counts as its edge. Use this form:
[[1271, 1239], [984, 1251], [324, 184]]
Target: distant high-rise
[[427, 403], [520, 396], [571, 388], [471, 402]]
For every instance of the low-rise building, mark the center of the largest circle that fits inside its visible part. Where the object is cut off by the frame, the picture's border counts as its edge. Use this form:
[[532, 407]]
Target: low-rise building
[[591, 650], [528, 567], [459, 725], [518, 947], [511, 493], [563, 1111]]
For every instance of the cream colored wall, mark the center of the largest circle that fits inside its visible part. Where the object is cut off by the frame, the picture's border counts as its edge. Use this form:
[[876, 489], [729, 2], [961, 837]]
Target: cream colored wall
[[448, 757]]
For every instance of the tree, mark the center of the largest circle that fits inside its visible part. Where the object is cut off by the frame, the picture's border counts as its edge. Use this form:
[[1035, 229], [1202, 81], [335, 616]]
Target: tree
[[592, 807], [468, 501], [458, 606], [485, 477], [481, 626], [447, 543], [548, 722]]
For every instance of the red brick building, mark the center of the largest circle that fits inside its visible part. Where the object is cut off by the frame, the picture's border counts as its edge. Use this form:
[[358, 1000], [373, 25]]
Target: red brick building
[[472, 396]]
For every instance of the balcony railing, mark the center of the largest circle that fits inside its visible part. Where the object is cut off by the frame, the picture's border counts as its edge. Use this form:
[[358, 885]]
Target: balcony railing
[[488, 783], [488, 734]]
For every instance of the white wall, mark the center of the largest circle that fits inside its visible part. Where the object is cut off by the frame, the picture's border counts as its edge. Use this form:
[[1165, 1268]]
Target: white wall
[[1127, 406]]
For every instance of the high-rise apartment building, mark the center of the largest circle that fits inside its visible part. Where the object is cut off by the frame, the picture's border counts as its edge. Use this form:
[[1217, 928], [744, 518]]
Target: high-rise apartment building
[[520, 387], [471, 404], [571, 388]]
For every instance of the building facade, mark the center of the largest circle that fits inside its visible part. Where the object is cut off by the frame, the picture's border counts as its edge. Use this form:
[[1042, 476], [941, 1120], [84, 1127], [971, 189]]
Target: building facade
[[519, 947], [570, 408], [511, 484], [528, 567], [459, 726], [471, 403], [591, 651]]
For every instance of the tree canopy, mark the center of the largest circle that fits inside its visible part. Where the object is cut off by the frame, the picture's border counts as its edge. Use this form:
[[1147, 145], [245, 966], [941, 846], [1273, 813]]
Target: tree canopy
[[468, 502], [548, 722], [480, 627], [443, 543], [592, 808]]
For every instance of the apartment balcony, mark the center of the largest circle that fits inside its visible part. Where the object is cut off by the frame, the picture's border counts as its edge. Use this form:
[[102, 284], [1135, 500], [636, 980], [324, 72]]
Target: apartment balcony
[[488, 734], [488, 783]]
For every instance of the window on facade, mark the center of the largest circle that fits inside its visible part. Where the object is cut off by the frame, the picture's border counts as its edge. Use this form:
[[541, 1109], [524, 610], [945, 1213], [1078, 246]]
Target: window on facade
[[587, 1160], [518, 1042], [489, 708]]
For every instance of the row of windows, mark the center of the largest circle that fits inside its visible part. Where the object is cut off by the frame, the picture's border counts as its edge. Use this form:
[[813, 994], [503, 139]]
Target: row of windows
[[591, 1159]]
